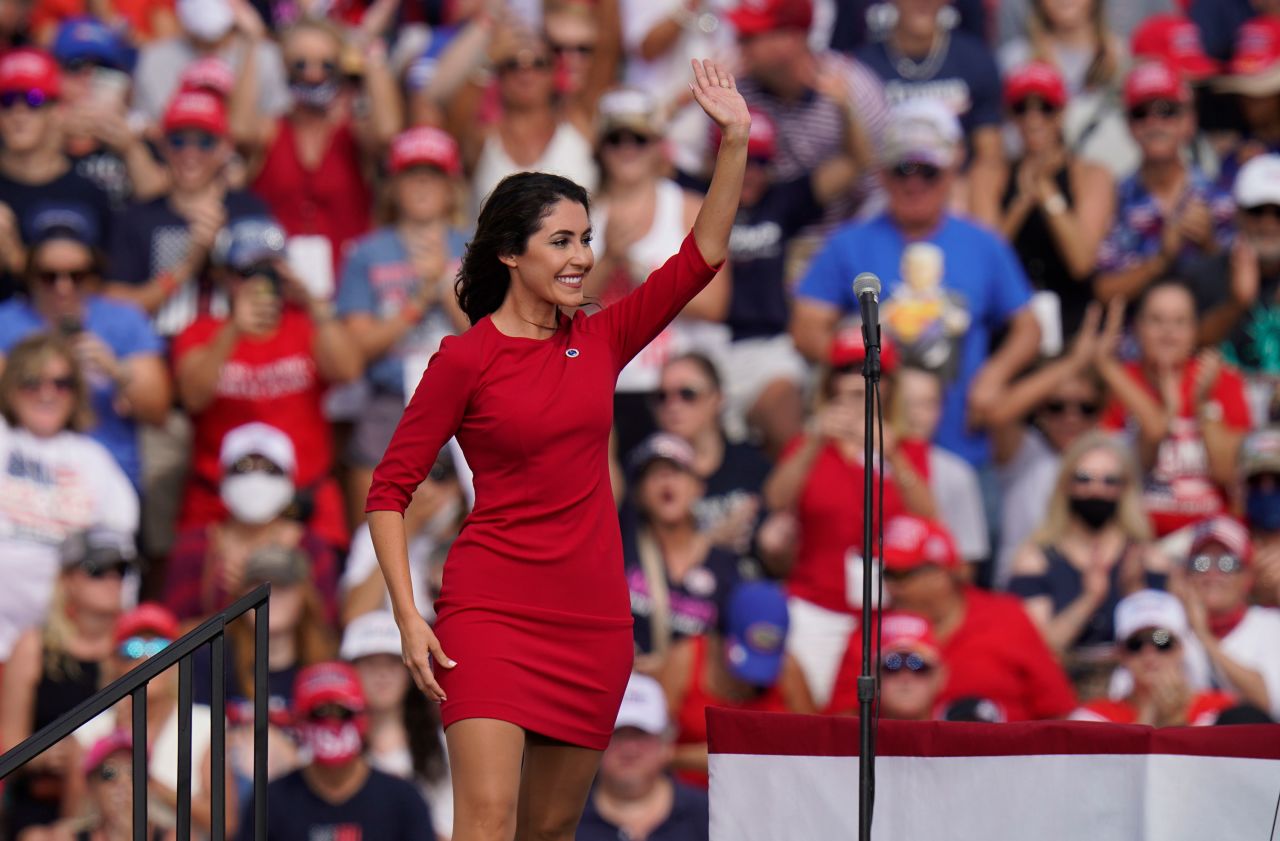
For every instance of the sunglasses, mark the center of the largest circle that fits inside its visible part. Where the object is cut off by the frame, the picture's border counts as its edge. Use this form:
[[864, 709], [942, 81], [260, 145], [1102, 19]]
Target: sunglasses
[[906, 574], [77, 66], [35, 385], [511, 65], [1263, 210], [1162, 108], [626, 138], [1160, 639], [914, 169], [107, 773], [331, 712], [300, 65], [33, 99], [1061, 407], [1228, 564], [895, 663], [201, 140], [117, 569], [255, 464], [684, 394], [139, 648], [583, 50], [1109, 480], [1032, 105], [49, 277]]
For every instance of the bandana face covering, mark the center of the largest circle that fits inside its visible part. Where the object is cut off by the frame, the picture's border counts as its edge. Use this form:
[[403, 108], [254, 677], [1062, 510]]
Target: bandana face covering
[[333, 742]]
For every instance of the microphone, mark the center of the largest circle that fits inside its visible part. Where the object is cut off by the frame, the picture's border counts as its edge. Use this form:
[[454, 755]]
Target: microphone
[[866, 288]]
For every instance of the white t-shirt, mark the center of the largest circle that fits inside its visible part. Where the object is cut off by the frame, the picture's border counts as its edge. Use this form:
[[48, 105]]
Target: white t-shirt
[[955, 486], [50, 489], [1255, 643]]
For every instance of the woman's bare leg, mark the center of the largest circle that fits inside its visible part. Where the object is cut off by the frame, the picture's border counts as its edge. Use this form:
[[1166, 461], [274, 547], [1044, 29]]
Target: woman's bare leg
[[553, 788], [484, 760]]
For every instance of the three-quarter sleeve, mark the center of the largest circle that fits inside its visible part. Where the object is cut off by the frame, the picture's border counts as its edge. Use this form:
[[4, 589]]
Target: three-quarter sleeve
[[638, 318], [432, 417]]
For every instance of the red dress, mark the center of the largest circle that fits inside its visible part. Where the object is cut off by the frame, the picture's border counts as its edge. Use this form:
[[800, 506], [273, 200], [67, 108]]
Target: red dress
[[534, 606]]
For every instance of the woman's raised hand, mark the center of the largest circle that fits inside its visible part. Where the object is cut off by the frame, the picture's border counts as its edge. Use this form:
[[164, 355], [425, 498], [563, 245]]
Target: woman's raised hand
[[716, 91]]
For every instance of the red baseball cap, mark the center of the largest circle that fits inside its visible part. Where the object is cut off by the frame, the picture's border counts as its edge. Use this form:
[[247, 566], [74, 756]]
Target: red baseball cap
[[911, 542], [1176, 40], [1257, 46], [762, 141], [209, 74], [117, 741], [196, 110], [755, 17], [28, 69], [425, 146], [1225, 532], [147, 619], [1154, 80], [908, 632], [327, 683], [848, 350], [1040, 79]]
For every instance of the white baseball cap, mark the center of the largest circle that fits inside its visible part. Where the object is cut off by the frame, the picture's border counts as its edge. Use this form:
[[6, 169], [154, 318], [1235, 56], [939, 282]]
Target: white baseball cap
[[923, 130], [644, 706], [370, 633], [1258, 182], [258, 439], [1150, 609], [205, 20]]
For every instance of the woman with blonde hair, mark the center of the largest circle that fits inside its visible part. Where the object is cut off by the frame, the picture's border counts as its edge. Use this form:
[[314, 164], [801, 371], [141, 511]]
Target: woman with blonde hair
[[1092, 548]]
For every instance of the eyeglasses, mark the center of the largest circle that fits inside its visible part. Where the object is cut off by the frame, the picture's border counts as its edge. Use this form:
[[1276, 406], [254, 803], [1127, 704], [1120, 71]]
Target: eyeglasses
[[1108, 480], [1061, 407], [1034, 105], [915, 169], [685, 394], [140, 648], [1161, 639], [894, 663], [49, 277], [33, 99], [1228, 564], [583, 50], [1261, 210], [1163, 108], [300, 65], [513, 64], [35, 385], [626, 138], [906, 574], [107, 773], [201, 140]]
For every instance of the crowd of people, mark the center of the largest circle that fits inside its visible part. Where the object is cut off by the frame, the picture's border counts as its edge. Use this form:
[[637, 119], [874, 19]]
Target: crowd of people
[[229, 233]]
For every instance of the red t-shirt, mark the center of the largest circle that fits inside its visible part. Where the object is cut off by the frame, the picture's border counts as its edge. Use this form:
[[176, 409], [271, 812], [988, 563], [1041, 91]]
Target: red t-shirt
[[1203, 709], [1179, 491], [829, 512], [997, 653], [274, 380]]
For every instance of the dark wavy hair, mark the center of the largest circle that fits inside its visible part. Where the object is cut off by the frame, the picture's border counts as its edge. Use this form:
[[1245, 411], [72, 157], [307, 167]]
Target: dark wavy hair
[[513, 212]]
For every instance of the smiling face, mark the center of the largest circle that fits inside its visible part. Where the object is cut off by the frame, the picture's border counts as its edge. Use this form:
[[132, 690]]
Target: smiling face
[[556, 258], [1166, 327], [44, 398], [1161, 127]]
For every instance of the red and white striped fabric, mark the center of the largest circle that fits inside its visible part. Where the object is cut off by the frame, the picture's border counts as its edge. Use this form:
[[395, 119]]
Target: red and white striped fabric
[[778, 777]]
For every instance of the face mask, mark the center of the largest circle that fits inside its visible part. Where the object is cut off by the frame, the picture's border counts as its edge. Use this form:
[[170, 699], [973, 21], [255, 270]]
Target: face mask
[[205, 21], [1095, 512], [1262, 509], [256, 498], [333, 742], [317, 95]]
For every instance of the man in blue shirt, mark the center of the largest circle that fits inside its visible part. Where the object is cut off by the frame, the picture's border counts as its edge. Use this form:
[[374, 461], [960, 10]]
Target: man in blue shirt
[[948, 285], [634, 797]]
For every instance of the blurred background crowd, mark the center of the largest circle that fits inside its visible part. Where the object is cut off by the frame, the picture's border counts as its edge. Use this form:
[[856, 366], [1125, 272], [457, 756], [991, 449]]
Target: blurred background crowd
[[229, 231]]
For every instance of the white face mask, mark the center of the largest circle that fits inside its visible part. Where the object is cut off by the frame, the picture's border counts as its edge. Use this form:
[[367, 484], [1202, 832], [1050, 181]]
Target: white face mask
[[205, 20], [256, 498]]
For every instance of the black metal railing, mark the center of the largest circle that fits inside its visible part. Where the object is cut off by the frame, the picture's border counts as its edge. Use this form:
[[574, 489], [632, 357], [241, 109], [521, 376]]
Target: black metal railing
[[212, 633]]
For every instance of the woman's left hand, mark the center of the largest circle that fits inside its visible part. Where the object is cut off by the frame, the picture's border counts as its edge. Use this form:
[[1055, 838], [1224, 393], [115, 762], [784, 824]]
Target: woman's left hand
[[716, 92]]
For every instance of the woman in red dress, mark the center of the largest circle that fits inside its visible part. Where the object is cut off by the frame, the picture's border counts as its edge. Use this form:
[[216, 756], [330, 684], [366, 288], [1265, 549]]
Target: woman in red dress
[[534, 604]]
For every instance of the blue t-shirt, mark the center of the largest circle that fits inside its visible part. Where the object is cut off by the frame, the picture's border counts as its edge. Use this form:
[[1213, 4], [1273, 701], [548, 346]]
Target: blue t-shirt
[[123, 328], [944, 318], [759, 304], [966, 79], [378, 278], [384, 809], [689, 820]]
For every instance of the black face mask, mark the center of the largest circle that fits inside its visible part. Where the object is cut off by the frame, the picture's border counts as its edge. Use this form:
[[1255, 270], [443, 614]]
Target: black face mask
[[1094, 511]]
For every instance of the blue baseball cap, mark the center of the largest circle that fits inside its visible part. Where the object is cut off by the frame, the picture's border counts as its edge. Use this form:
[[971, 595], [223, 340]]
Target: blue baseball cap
[[50, 220], [248, 242], [756, 632], [84, 38]]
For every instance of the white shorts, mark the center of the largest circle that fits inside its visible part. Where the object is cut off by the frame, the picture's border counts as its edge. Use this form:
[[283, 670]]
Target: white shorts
[[817, 640], [751, 365]]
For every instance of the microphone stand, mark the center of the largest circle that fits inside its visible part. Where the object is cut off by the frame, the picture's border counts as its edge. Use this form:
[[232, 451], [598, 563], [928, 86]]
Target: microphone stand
[[867, 680]]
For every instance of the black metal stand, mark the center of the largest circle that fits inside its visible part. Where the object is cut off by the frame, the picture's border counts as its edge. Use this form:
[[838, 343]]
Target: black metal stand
[[867, 679]]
